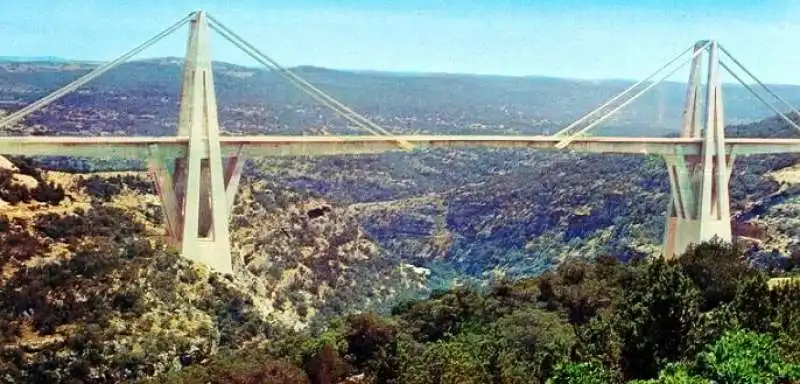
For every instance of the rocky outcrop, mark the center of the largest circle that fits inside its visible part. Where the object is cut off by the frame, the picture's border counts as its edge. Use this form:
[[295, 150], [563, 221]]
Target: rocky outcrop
[[89, 281], [7, 165], [311, 259]]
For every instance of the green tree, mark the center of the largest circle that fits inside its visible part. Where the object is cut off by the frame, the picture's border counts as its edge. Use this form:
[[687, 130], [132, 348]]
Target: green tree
[[599, 341], [787, 311], [443, 314], [581, 288], [717, 270], [655, 318], [745, 357], [464, 359], [580, 373], [752, 306], [532, 342], [372, 346], [675, 374], [241, 368]]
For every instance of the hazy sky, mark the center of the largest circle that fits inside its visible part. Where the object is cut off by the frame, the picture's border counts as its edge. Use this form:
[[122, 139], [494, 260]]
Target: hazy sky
[[564, 38]]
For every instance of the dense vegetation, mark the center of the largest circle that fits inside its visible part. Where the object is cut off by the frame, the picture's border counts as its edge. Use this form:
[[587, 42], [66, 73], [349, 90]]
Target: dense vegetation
[[704, 318]]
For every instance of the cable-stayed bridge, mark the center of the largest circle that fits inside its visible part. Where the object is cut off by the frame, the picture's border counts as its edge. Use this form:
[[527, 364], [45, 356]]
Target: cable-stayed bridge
[[197, 171]]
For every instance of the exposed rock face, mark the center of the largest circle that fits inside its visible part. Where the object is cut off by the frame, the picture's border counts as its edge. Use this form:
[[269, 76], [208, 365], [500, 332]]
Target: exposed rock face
[[25, 181], [772, 223], [7, 165], [88, 280], [312, 260]]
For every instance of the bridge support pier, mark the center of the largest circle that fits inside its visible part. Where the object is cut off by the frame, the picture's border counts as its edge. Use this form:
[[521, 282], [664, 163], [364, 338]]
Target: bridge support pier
[[697, 212], [197, 192], [699, 207]]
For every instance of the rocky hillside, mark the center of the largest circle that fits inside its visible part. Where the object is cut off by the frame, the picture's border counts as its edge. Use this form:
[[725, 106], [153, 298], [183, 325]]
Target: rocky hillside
[[517, 213], [88, 290], [311, 257]]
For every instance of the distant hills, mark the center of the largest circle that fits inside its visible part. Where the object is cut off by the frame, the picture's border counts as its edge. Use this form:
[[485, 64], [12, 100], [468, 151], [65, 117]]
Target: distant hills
[[491, 104], [34, 59]]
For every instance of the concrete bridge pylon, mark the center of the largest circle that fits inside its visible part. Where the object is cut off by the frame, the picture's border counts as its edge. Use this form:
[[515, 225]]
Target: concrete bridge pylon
[[197, 191], [699, 207]]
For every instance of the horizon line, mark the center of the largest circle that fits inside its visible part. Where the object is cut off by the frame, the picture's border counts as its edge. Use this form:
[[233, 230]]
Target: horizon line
[[64, 60]]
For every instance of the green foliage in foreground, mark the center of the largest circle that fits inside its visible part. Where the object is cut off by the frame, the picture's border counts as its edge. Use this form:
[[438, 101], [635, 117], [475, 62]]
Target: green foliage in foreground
[[739, 356], [704, 318]]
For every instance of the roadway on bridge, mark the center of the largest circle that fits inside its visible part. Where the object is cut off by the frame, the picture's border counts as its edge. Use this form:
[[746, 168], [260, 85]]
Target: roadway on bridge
[[176, 146]]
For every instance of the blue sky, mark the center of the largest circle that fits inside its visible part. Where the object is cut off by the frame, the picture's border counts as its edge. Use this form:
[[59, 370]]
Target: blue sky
[[563, 38]]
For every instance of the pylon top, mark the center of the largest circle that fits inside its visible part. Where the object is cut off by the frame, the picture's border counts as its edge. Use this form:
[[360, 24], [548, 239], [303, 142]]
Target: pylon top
[[198, 14], [702, 43]]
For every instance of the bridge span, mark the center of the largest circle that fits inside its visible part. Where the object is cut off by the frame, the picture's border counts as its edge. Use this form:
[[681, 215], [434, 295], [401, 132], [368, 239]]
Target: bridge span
[[197, 171], [142, 147]]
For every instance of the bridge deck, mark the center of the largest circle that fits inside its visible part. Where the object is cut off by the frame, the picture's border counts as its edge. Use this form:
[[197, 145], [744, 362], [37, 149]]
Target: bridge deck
[[174, 146]]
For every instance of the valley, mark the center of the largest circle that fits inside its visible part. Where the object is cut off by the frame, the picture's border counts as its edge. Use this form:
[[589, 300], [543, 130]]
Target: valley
[[86, 281]]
